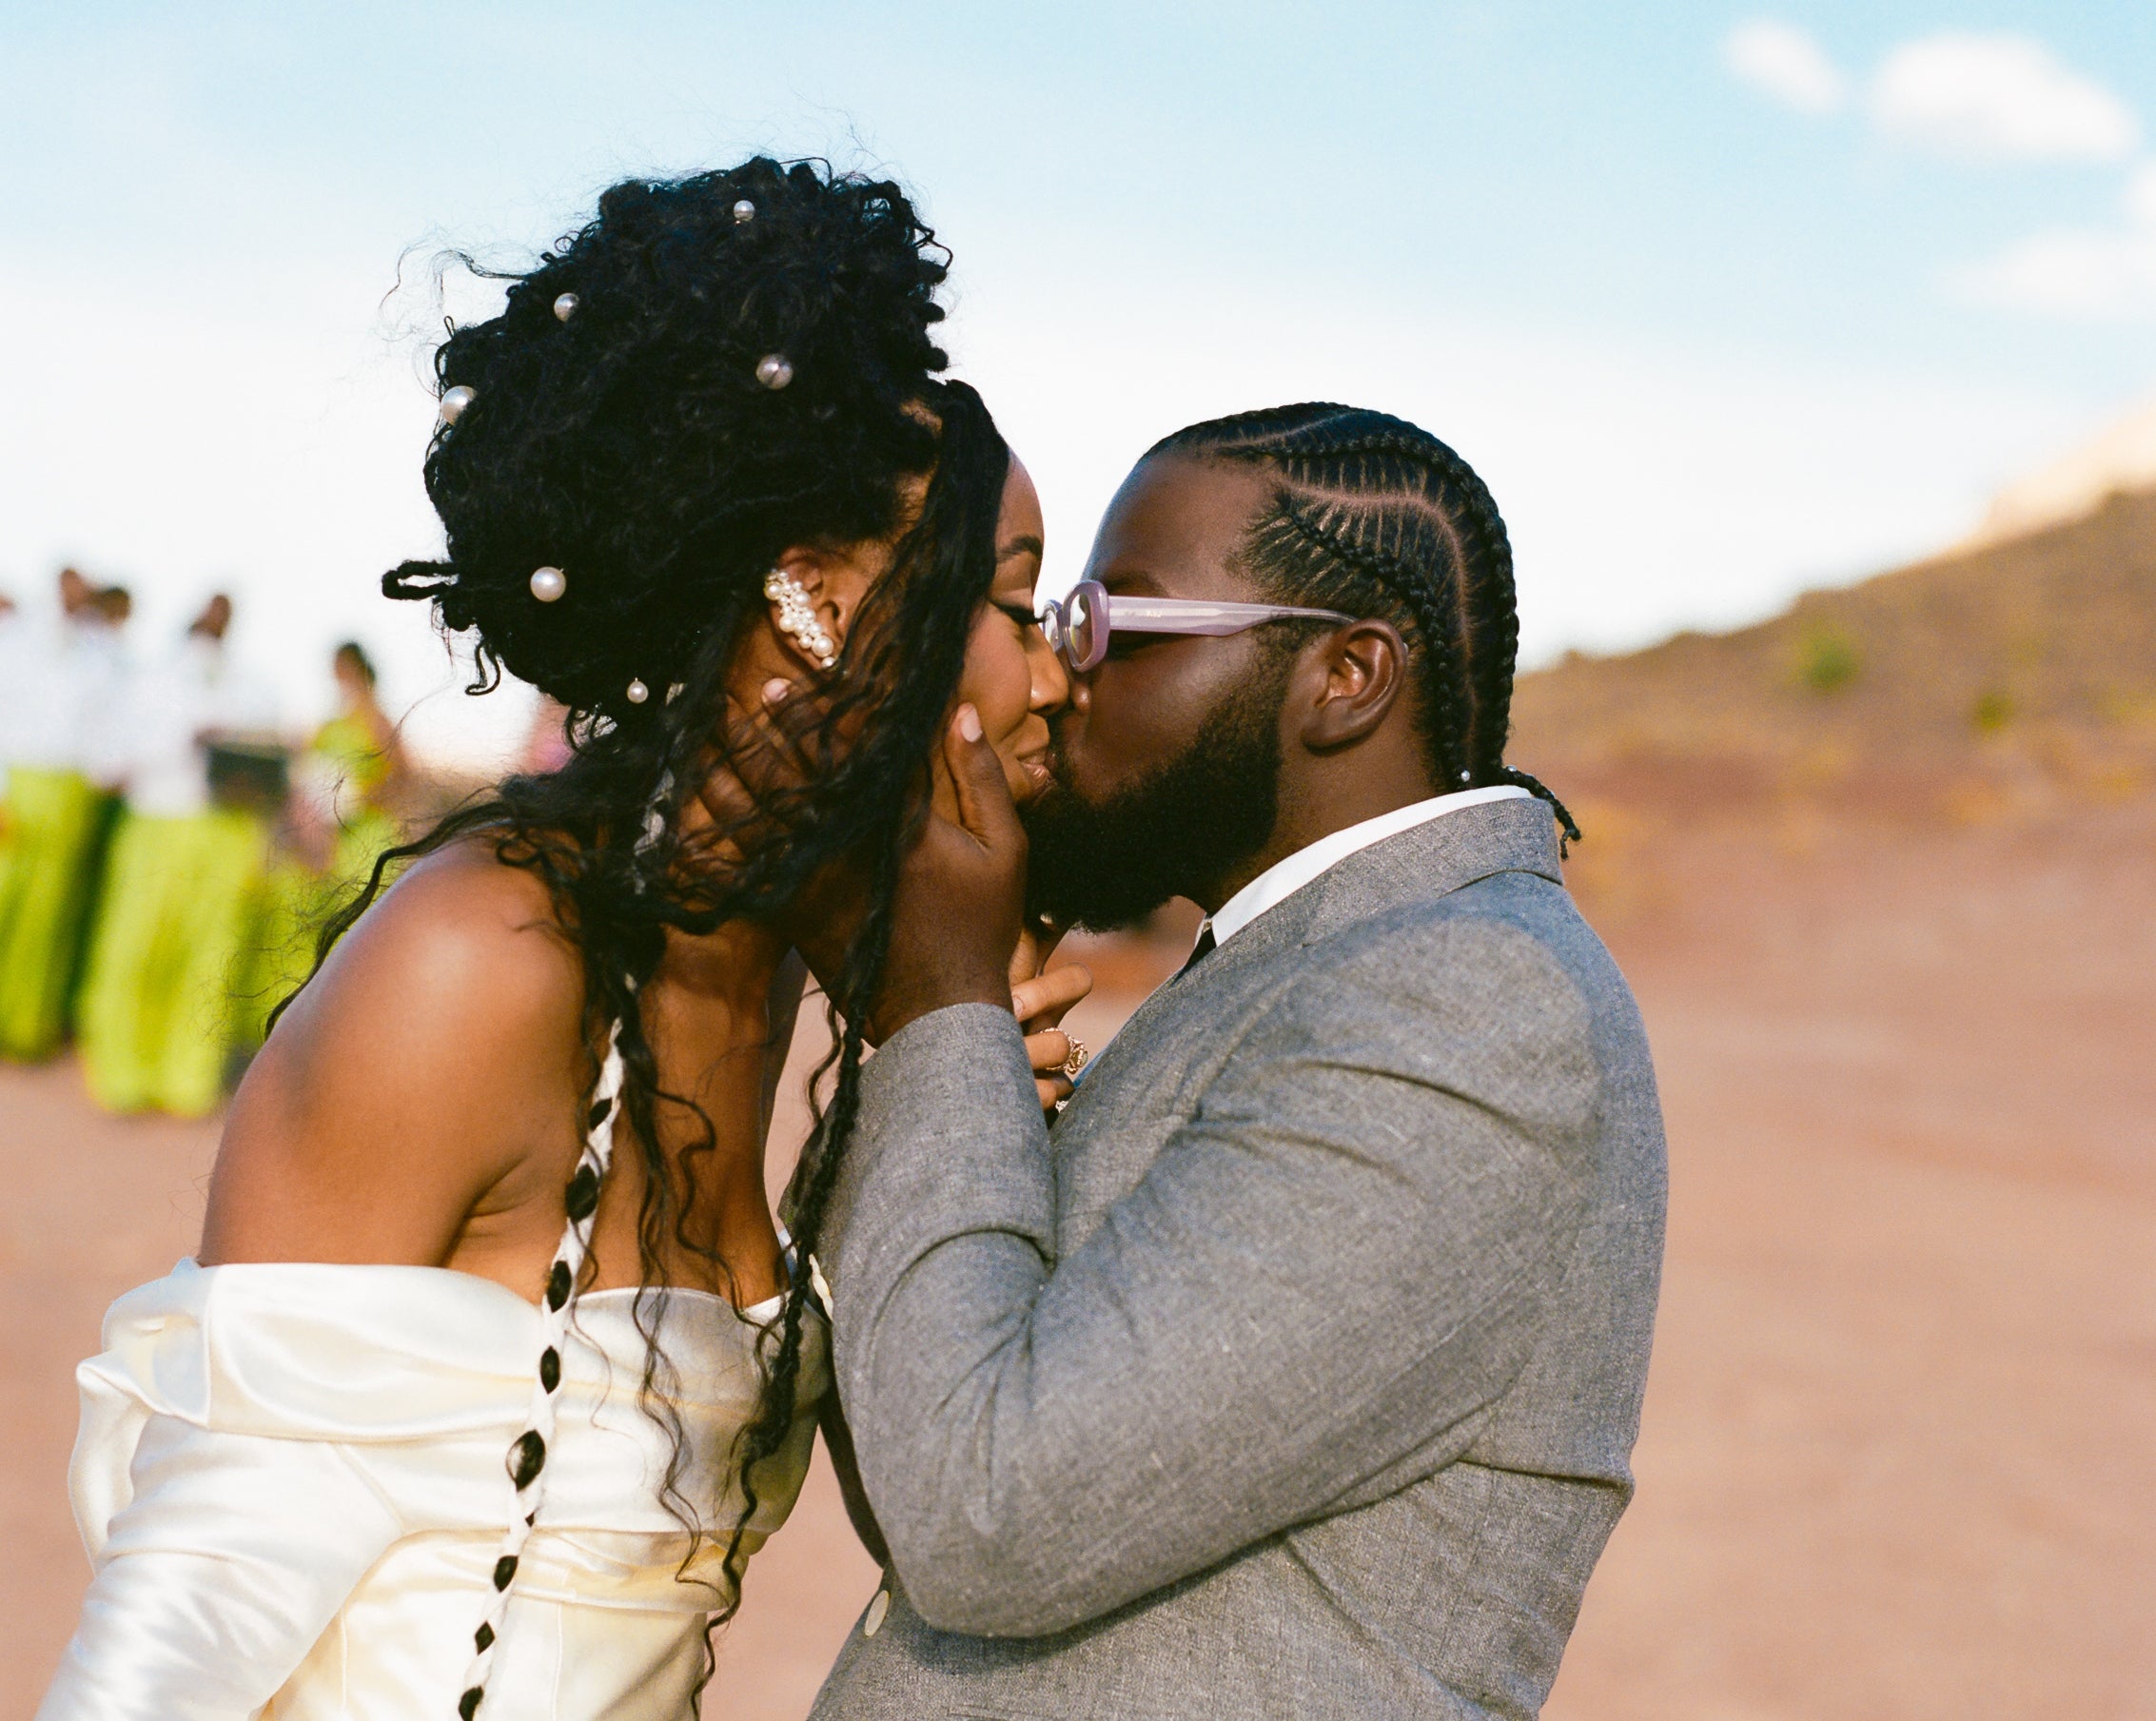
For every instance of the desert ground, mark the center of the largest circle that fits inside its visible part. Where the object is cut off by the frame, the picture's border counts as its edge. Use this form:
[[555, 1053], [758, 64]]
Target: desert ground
[[1899, 1452]]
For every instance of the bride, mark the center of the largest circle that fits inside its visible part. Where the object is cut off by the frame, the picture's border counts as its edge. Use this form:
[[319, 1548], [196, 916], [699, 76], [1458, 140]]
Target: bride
[[494, 1368]]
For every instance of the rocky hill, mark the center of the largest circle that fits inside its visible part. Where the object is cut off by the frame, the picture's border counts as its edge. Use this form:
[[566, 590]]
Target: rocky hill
[[1992, 681]]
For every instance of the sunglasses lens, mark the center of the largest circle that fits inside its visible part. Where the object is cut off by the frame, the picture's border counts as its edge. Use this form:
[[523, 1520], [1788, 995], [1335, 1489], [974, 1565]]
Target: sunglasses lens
[[1087, 628]]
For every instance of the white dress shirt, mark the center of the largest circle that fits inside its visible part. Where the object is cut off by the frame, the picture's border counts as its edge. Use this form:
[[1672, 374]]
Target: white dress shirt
[[1277, 883]]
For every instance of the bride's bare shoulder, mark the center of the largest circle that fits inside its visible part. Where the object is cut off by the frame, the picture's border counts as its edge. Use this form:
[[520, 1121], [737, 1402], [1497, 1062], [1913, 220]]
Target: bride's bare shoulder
[[438, 1046], [463, 940], [459, 909]]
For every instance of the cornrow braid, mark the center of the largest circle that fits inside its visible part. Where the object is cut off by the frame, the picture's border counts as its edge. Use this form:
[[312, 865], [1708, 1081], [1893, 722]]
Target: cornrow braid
[[1446, 724], [1373, 514]]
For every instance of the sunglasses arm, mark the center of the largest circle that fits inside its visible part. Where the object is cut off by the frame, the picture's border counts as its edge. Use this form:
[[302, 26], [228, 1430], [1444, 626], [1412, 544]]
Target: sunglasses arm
[[1195, 616]]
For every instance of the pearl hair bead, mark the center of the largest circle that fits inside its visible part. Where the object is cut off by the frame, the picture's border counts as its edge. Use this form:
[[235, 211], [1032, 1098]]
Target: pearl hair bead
[[548, 584], [454, 401], [744, 213], [639, 692], [773, 371], [565, 307]]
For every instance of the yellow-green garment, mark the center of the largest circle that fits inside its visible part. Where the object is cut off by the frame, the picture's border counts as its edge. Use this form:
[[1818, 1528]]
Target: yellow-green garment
[[48, 856], [347, 743], [179, 919], [296, 901]]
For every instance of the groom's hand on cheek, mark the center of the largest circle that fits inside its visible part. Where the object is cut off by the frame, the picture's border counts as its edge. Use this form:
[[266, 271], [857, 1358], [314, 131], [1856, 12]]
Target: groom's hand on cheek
[[960, 904]]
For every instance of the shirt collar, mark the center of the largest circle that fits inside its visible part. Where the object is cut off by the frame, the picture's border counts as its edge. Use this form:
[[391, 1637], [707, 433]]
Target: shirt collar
[[1279, 882]]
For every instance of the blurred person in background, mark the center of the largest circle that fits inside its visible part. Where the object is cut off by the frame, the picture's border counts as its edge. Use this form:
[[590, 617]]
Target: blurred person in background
[[360, 760], [345, 809], [14, 668], [114, 606], [179, 904], [58, 740], [14, 635]]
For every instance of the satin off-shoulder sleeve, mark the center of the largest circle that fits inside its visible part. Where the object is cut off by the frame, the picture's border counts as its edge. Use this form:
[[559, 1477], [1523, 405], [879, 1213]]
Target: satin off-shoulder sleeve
[[217, 1577], [224, 1479]]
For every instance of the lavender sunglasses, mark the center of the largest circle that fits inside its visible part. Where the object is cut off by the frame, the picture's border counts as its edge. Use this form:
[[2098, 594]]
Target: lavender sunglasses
[[1078, 626]]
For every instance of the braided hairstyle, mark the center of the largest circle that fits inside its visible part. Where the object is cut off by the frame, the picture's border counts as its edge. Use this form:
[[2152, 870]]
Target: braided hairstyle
[[1374, 515], [625, 423]]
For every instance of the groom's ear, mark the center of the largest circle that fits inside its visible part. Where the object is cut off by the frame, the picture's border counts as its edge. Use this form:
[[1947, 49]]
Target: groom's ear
[[1348, 681]]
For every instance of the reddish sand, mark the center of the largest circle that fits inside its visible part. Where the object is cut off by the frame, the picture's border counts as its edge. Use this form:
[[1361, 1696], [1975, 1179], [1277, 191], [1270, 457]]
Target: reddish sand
[[1900, 1448]]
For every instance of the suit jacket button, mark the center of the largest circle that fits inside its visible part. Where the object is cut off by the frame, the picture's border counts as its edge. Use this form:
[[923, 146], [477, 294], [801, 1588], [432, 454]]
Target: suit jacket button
[[878, 1609]]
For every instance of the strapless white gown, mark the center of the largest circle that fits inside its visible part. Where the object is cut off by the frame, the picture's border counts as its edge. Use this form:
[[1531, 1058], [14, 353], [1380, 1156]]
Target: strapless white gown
[[290, 1479]]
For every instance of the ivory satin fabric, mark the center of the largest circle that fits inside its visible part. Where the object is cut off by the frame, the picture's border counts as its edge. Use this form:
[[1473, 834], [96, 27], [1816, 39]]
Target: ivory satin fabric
[[291, 1482]]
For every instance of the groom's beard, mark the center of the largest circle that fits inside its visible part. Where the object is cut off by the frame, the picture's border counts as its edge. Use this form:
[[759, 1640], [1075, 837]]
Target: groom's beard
[[1191, 818]]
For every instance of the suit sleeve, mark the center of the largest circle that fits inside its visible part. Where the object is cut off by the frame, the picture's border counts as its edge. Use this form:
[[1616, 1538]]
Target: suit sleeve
[[217, 1577], [1326, 1277]]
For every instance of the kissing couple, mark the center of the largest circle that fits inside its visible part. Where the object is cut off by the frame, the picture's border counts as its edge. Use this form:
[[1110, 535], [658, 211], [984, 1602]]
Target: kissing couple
[[1285, 1362]]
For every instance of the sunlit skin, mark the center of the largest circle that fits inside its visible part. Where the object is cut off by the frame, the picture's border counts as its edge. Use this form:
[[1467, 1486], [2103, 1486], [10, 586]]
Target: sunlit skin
[[1011, 678], [418, 1102]]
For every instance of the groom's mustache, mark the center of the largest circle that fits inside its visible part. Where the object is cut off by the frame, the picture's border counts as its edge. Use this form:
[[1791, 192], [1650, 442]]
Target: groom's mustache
[[1108, 861]]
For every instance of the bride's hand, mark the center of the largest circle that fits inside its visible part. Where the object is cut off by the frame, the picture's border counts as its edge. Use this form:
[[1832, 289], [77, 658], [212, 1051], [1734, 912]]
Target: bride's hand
[[771, 752], [1039, 999]]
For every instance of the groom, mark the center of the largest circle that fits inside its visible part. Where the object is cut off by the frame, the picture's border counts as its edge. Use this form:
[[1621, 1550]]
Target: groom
[[1295, 1372]]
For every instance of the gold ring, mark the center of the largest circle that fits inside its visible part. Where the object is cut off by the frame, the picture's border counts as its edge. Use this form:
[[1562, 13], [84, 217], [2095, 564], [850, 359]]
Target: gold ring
[[1078, 1059]]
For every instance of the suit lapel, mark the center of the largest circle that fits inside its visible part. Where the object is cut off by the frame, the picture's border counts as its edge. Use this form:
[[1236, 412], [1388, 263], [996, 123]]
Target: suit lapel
[[1430, 861], [1117, 1114]]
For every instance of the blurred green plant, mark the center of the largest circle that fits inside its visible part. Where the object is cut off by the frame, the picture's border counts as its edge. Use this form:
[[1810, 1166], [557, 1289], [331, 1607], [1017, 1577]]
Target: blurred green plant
[[1992, 712], [1828, 660]]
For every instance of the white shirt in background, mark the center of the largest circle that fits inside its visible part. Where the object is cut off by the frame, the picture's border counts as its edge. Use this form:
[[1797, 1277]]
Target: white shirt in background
[[15, 643], [61, 682], [196, 691]]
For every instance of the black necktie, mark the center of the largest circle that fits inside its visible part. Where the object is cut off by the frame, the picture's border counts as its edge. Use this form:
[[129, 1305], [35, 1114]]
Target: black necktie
[[1198, 952]]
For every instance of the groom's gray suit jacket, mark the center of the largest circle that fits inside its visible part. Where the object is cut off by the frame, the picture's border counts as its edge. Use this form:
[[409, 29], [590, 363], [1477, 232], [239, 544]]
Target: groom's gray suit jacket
[[1296, 1373]]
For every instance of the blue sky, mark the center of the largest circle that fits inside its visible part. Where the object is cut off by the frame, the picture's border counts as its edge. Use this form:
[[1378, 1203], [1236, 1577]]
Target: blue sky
[[1720, 310]]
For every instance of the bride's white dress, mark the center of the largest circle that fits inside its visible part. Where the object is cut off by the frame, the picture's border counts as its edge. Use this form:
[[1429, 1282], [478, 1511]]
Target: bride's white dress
[[290, 1479]]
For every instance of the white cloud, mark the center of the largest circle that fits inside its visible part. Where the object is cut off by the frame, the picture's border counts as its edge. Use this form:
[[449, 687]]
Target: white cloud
[[2141, 195], [2081, 274], [1786, 64], [2089, 274], [1998, 97]]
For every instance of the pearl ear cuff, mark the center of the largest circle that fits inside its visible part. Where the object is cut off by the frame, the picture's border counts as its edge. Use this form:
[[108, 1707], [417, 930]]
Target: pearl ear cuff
[[798, 619]]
